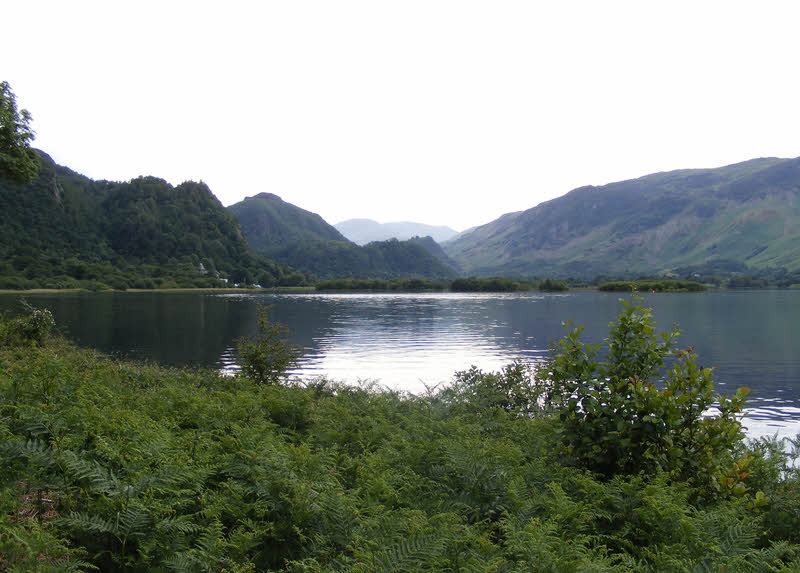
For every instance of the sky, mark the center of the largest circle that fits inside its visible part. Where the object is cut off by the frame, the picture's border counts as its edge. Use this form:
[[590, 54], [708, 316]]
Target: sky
[[435, 111]]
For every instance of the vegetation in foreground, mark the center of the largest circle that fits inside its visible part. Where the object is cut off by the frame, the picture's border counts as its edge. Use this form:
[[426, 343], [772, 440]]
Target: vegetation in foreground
[[114, 466]]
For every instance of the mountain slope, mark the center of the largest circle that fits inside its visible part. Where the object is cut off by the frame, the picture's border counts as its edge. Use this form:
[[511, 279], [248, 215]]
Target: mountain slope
[[379, 259], [363, 231], [435, 249], [747, 212], [293, 236], [269, 222], [64, 227]]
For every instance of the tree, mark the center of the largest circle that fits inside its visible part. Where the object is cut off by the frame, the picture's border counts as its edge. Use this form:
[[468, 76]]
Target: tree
[[17, 160], [267, 355]]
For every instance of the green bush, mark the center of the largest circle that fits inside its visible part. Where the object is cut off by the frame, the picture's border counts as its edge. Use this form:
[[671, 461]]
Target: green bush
[[514, 390], [267, 355], [31, 328], [622, 415]]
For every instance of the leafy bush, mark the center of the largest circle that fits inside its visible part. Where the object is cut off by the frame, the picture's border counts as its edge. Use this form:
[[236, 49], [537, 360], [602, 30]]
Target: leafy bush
[[267, 355], [514, 390], [623, 416], [31, 328]]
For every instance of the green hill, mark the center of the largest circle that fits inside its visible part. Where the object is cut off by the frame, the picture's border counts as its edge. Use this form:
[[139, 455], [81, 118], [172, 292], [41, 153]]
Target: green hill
[[742, 214], [435, 249], [269, 222], [303, 240], [66, 230], [380, 259]]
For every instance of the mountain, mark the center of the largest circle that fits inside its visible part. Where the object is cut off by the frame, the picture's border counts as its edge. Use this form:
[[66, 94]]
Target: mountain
[[63, 228], [379, 259], [435, 249], [742, 214], [363, 231], [269, 222], [293, 236]]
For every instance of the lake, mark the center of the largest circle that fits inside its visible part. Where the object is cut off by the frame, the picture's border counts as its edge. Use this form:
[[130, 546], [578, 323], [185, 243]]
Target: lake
[[415, 341]]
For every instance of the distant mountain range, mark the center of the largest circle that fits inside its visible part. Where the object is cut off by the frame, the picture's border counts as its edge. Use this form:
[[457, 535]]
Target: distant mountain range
[[363, 231], [743, 214], [284, 232], [64, 229]]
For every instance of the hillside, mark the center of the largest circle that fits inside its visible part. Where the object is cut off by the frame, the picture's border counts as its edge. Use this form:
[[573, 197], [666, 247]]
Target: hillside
[[269, 222], [64, 230], [742, 214], [435, 249], [302, 239], [363, 231]]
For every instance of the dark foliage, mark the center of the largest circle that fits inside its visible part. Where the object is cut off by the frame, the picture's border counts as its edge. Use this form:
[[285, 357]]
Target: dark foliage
[[68, 231], [496, 284], [17, 160], [382, 260], [654, 285]]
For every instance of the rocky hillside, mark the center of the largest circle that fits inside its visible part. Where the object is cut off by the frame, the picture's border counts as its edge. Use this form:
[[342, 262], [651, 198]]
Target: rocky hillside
[[746, 213]]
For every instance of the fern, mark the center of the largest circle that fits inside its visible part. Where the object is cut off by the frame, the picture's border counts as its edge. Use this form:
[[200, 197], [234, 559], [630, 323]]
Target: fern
[[409, 553], [95, 524]]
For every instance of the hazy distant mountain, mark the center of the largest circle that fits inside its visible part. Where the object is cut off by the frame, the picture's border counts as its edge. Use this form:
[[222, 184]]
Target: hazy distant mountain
[[746, 213], [363, 231], [285, 232]]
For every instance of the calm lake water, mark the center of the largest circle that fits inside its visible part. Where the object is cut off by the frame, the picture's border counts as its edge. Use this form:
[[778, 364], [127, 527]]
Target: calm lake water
[[414, 341]]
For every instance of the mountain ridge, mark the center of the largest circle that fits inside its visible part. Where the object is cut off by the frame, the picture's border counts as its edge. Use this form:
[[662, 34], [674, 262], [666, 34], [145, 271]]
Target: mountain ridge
[[745, 211]]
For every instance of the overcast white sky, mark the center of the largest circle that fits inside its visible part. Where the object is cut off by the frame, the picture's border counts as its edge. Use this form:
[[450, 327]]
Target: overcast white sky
[[442, 112]]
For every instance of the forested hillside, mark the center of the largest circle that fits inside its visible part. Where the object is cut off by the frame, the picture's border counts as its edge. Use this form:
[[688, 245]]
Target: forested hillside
[[268, 222], [380, 259], [744, 216], [66, 230], [302, 239]]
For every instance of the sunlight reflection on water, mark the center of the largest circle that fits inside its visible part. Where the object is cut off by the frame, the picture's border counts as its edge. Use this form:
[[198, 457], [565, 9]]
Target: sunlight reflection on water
[[411, 342]]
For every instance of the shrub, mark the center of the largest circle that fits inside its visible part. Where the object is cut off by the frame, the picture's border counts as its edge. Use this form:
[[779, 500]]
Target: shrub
[[267, 355], [623, 416], [514, 389], [30, 329]]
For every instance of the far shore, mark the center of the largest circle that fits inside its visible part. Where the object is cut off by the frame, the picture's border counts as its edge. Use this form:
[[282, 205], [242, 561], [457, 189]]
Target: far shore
[[156, 290]]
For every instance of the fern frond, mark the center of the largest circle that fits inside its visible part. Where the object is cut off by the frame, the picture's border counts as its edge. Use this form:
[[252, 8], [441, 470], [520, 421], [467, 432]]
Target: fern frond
[[133, 522], [86, 523]]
